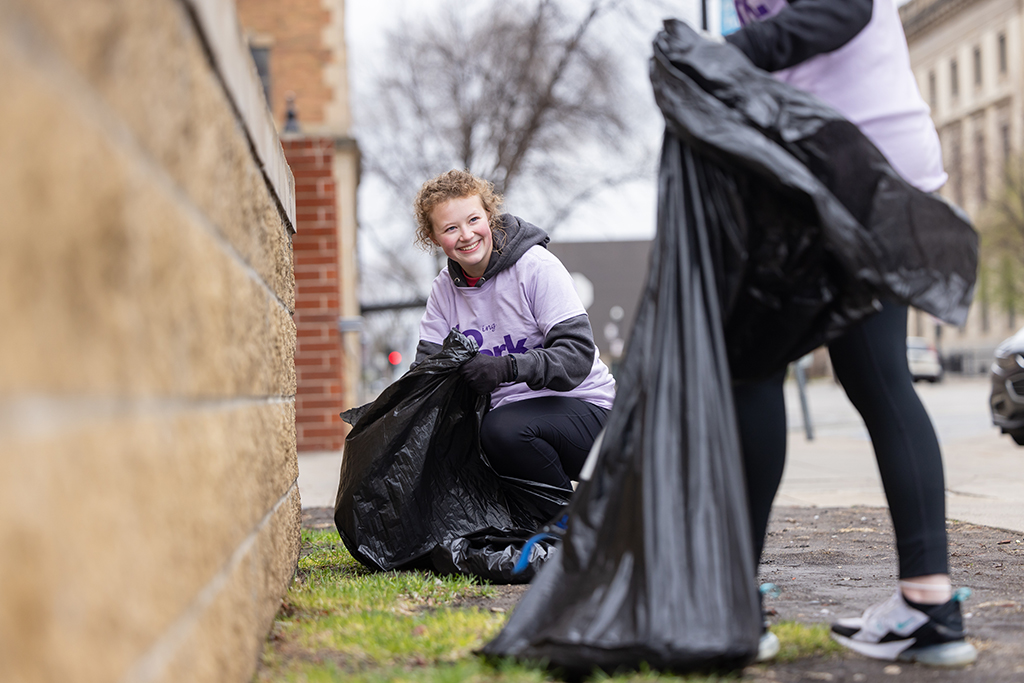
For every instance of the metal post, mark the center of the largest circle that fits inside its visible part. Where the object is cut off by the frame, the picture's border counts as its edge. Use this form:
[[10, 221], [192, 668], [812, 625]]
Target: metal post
[[801, 385]]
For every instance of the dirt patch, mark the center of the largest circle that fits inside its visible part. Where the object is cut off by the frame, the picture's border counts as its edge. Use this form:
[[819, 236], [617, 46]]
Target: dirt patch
[[834, 562], [502, 598], [318, 518], [831, 562]]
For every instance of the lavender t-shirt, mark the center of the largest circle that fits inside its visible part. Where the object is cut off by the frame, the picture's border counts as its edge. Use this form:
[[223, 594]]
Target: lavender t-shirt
[[512, 313], [869, 81]]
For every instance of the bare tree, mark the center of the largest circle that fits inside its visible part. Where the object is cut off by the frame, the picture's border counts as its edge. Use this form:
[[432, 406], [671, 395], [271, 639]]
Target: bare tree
[[523, 93], [1002, 243], [499, 91], [1005, 223], [530, 94]]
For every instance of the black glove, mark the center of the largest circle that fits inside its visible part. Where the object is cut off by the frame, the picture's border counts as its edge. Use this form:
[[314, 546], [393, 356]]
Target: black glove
[[484, 373]]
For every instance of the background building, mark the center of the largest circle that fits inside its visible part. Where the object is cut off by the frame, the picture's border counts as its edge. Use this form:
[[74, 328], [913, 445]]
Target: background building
[[610, 278], [966, 55], [149, 513], [299, 49]]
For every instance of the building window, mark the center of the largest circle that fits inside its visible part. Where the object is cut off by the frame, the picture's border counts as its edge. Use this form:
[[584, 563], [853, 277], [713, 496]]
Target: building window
[[980, 164], [1002, 53], [261, 56], [983, 295], [954, 79], [977, 66], [931, 89], [956, 170], [1004, 136]]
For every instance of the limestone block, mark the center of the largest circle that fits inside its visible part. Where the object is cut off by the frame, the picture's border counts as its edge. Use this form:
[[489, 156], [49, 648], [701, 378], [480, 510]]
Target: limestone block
[[215, 649], [147, 426], [147, 65], [111, 282], [115, 518]]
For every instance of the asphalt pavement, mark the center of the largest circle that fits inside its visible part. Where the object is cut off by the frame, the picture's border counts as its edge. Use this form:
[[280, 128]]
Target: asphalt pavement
[[984, 469]]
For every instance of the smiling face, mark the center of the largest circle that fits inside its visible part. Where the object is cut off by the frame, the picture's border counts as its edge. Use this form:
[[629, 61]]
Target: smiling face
[[462, 228]]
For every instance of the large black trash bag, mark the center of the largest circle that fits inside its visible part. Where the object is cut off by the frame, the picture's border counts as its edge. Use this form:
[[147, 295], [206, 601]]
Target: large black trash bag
[[416, 491], [656, 565], [815, 223], [765, 249]]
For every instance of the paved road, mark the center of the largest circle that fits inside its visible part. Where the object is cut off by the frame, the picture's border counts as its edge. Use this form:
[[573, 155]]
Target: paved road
[[984, 470]]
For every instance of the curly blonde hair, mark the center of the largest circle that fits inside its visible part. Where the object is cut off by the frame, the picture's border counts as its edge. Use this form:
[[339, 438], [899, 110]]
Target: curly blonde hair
[[447, 186]]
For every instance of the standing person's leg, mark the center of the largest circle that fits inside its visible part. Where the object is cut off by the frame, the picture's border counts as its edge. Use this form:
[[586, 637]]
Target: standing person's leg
[[545, 439], [871, 363], [920, 622], [761, 417]]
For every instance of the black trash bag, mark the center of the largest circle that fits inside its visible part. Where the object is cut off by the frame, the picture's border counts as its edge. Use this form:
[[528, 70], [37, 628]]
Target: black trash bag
[[815, 225], [756, 262], [416, 491], [656, 565]]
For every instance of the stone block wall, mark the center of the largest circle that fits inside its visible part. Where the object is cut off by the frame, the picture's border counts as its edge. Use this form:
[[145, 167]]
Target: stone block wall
[[305, 57], [149, 513]]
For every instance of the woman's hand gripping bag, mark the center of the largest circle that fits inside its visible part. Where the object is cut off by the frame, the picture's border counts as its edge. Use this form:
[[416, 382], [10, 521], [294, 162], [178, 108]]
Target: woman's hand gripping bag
[[416, 491]]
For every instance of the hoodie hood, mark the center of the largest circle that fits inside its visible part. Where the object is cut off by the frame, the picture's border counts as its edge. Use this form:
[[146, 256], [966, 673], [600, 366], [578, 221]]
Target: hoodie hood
[[512, 239]]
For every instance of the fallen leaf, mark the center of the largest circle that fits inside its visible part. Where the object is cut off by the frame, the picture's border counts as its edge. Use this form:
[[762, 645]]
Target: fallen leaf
[[998, 603]]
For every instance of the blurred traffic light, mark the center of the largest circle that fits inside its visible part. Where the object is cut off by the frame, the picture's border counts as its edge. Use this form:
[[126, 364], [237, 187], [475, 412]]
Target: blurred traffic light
[[394, 358]]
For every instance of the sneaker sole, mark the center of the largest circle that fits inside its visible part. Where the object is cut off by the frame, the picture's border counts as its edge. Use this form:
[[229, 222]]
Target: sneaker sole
[[767, 647], [888, 651], [960, 653]]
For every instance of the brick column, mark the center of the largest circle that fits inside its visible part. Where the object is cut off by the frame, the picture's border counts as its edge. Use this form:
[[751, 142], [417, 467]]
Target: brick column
[[318, 357]]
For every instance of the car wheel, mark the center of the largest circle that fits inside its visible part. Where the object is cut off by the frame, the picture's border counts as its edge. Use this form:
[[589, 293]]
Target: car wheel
[[1018, 436]]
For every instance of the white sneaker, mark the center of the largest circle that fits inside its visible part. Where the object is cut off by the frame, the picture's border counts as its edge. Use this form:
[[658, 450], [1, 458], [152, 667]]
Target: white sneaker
[[894, 630], [767, 647]]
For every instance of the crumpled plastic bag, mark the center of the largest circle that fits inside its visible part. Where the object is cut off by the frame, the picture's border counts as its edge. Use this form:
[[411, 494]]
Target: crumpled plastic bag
[[814, 224], [760, 256], [416, 492], [656, 565]]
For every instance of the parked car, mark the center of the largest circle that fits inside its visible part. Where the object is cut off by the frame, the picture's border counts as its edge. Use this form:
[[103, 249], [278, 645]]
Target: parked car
[[923, 360], [1007, 401]]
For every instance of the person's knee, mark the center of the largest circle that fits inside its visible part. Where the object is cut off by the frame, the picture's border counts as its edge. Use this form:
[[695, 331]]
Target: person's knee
[[497, 435]]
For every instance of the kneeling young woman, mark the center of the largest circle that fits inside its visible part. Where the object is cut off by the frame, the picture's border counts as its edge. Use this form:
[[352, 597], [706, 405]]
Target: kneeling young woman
[[550, 393]]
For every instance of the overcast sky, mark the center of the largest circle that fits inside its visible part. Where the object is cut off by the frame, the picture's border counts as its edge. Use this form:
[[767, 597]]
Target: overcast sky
[[624, 213]]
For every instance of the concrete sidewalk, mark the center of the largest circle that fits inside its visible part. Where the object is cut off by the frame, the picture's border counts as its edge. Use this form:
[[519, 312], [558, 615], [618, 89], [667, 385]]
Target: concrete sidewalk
[[984, 470], [318, 478]]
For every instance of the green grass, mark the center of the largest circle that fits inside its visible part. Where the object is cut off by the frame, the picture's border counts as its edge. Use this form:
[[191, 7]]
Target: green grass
[[798, 641], [340, 622]]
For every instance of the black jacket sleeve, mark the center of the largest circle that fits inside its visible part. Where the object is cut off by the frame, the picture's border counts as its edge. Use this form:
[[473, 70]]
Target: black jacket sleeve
[[802, 30], [424, 349], [566, 359]]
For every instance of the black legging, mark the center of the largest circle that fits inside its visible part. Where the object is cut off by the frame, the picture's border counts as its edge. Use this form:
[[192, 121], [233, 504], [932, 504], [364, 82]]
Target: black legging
[[870, 362], [543, 439]]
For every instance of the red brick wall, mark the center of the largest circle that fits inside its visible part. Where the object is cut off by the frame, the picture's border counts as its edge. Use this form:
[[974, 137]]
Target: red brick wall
[[318, 356], [297, 54]]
